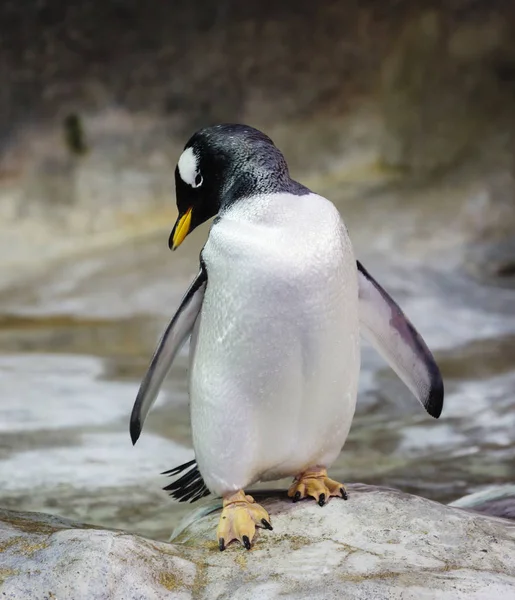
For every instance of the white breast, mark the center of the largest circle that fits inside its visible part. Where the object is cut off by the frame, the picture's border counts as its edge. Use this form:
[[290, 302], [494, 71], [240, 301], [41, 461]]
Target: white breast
[[276, 359]]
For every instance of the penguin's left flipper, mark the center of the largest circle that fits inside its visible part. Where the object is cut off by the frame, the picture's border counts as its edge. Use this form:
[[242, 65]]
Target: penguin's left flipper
[[391, 333], [173, 338]]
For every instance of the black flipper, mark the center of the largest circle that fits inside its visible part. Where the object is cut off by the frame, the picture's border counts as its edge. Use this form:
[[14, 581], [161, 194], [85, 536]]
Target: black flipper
[[173, 338], [391, 333]]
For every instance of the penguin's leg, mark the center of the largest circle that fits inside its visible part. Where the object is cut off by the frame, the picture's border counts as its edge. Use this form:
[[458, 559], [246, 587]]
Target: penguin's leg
[[315, 483], [239, 518]]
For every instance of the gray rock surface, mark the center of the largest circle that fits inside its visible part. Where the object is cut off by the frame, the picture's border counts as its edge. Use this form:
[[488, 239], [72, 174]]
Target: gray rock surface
[[380, 544], [497, 501]]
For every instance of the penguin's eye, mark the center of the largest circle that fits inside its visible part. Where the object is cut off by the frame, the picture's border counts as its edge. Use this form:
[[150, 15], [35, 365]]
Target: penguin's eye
[[198, 180]]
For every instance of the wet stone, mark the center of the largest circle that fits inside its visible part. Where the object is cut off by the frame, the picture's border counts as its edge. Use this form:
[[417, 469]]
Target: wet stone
[[380, 544]]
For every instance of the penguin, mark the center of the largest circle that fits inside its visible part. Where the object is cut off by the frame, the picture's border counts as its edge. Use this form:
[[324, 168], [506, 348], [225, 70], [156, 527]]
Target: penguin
[[275, 316]]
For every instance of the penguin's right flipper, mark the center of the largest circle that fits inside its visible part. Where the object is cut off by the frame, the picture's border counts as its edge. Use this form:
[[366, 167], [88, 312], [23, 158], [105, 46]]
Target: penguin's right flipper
[[173, 338], [391, 333]]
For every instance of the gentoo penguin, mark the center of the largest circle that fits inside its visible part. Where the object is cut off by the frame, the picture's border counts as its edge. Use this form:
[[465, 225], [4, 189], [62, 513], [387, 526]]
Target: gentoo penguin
[[275, 315]]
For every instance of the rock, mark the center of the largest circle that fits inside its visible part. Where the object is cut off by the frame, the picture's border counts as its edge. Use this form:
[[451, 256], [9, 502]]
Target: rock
[[493, 261], [380, 544], [44, 557], [498, 501], [442, 92]]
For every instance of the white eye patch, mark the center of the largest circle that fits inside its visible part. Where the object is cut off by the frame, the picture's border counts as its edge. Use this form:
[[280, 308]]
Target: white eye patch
[[188, 168]]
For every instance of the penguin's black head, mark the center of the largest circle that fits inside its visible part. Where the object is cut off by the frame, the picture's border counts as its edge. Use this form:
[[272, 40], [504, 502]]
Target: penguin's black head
[[219, 166]]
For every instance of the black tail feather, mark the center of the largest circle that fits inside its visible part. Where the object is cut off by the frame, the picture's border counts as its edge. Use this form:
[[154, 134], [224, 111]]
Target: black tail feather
[[180, 468], [190, 486]]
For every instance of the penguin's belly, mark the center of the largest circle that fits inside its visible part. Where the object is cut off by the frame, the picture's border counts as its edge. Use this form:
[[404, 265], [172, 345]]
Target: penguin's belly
[[274, 367]]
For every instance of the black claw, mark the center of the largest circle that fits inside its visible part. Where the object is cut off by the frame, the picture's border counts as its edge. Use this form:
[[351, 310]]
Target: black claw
[[321, 500], [296, 498], [266, 524], [246, 542], [221, 544], [344, 494]]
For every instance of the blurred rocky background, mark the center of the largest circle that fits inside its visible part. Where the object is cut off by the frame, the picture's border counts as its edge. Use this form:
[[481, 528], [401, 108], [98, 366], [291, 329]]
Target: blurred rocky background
[[98, 98], [400, 111]]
